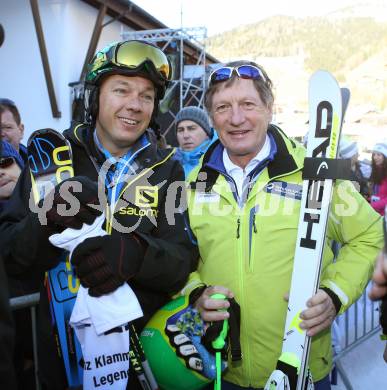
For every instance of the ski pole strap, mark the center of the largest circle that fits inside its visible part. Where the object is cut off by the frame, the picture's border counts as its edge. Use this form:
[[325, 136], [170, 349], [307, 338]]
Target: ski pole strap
[[215, 329], [196, 293], [234, 323], [320, 168]]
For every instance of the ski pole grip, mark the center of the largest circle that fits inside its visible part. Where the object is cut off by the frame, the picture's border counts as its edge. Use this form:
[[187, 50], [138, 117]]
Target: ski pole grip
[[218, 296], [220, 341]]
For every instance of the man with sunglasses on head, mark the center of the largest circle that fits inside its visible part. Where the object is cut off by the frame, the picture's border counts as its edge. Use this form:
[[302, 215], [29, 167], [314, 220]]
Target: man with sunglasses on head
[[244, 204], [147, 244]]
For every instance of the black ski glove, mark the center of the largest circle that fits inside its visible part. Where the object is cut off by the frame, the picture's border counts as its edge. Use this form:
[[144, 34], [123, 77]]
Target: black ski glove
[[104, 263], [82, 212]]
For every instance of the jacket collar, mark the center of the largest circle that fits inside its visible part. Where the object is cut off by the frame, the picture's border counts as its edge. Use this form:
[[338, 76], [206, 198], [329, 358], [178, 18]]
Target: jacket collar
[[284, 161], [82, 136]]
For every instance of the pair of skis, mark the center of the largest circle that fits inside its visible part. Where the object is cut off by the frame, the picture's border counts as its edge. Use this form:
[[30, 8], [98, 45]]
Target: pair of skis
[[50, 162], [327, 105]]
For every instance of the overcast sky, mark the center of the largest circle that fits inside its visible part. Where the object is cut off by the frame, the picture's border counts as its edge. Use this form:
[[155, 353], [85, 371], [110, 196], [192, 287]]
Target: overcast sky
[[223, 15]]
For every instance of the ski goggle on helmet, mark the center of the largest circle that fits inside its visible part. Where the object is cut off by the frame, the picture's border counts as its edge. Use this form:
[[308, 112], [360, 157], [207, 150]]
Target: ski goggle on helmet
[[243, 71], [131, 57]]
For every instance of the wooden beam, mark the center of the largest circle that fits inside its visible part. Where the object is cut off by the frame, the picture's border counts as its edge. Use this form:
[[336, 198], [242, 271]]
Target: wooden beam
[[136, 18], [1, 35], [43, 54], [130, 14], [94, 39]]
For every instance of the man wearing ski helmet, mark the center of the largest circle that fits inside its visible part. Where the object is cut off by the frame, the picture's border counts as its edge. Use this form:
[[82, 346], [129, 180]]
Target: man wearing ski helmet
[[244, 206], [146, 244]]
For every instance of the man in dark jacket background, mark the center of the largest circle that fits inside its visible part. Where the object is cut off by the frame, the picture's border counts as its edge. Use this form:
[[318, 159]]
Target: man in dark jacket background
[[7, 378], [147, 244]]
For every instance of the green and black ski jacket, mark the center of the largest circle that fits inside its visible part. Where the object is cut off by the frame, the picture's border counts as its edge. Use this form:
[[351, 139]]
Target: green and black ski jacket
[[170, 255]]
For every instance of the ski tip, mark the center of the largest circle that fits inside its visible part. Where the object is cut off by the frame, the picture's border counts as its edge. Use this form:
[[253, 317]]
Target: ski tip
[[42, 133], [345, 97], [322, 73], [321, 83], [345, 94]]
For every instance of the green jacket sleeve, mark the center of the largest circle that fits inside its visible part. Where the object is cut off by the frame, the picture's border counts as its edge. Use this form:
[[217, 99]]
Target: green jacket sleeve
[[358, 228], [193, 282]]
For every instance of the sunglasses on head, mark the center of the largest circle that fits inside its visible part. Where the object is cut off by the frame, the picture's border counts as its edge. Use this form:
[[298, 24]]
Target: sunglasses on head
[[132, 54], [6, 162], [243, 71]]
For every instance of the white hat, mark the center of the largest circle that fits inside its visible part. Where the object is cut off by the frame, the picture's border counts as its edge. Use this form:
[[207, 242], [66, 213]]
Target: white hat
[[380, 148], [348, 148]]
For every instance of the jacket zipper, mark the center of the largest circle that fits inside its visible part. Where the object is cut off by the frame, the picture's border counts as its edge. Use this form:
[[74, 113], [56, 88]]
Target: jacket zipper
[[242, 265], [254, 226], [109, 218]]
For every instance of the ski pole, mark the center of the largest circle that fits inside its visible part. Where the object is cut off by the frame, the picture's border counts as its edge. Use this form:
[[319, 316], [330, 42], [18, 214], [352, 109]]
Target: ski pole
[[218, 345], [141, 355], [136, 363]]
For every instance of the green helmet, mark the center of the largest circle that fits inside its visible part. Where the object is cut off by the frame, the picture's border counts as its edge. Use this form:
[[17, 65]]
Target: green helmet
[[170, 370], [131, 58]]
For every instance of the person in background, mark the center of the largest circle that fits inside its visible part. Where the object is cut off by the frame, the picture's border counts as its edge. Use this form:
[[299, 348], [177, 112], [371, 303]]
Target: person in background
[[12, 127], [194, 135], [379, 177], [253, 177], [11, 165], [379, 289], [7, 333], [379, 278], [349, 150], [379, 202]]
